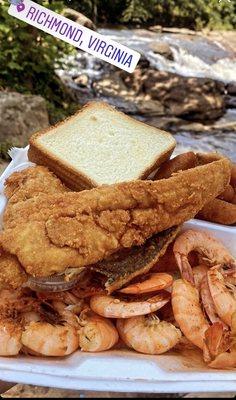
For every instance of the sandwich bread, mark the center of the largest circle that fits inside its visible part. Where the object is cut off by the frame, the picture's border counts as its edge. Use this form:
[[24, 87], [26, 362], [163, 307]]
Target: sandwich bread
[[100, 145]]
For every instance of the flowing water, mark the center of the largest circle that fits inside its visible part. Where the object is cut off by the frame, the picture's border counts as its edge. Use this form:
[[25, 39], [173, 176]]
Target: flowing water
[[193, 56]]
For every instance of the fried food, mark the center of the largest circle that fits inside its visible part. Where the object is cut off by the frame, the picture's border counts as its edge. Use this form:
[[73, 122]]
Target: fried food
[[97, 223], [219, 211], [32, 182], [233, 176], [179, 163], [228, 194], [11, 273], [121, 267], [222, 212]]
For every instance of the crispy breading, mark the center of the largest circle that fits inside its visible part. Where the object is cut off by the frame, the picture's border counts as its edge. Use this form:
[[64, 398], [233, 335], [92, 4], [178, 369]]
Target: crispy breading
[[19, 187], [219, 211], [79, 229], [31, 182], [12, 274]]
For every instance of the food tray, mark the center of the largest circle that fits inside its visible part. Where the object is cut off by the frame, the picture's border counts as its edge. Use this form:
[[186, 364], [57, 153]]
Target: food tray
[[120, 370]]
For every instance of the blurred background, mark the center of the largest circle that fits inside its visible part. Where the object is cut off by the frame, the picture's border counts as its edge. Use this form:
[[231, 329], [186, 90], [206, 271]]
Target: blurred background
[[184, 83]]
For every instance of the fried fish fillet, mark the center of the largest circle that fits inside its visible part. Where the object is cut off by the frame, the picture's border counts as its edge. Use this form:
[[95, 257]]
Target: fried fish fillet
[[31, 182], [121, 267], [12, 275], [80, 229], [19, 187]]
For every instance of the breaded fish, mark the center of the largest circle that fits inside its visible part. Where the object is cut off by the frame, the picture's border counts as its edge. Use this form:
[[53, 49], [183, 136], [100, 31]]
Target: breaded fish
[[31, 182], [12, 275], [80, 229]]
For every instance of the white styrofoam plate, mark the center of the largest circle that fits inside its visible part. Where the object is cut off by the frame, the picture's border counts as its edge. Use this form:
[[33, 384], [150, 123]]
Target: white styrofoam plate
[[121, 370]]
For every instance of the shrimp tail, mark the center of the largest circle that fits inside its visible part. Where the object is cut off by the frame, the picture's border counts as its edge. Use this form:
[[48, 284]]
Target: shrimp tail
[[217, 341], [185, 268]]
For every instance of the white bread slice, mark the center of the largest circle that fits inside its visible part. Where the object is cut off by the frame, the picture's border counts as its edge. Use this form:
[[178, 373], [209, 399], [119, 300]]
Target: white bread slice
[[100, 145]]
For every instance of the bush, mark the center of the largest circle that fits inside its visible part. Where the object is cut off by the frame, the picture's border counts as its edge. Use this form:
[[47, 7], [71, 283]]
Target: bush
[[28, 57], [195, 14]]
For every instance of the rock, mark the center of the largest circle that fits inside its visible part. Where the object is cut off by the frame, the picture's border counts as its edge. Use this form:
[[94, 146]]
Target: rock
[[155, 28], [149, 107], [143, 62], [166, 123], [182, 31], [194, 127], [231, 88], [133, 81], [21, 116], [112, 85], [190, 98], [82, 80], [230, 101], [125, 95], [163, 49], [79, 18]]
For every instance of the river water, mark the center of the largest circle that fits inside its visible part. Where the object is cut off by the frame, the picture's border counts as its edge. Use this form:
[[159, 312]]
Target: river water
[[194, 55]]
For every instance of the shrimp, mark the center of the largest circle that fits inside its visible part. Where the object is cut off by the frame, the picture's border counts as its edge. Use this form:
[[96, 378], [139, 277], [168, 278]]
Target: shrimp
[[111, 307], [188, 313], [53, 340], [208, 302], [10, 337], [199, 272], [217, 341], [11, 327], [227, 359], [148, 335], [73, 303], [96, 333], [225, 302], [213, 251], [154, 282]]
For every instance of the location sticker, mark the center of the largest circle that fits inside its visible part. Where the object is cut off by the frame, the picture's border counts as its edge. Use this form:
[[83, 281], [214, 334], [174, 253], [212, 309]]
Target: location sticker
[[77, 35]]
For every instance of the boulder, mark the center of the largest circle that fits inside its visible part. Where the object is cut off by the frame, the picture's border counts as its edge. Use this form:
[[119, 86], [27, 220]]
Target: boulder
[[231, 88], [190, 98], [126, 96], [21, 116], [79, 18], [82, 80], [163, 49]]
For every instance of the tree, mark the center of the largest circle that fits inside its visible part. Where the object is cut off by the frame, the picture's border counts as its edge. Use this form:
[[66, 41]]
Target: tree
[[28, 57]]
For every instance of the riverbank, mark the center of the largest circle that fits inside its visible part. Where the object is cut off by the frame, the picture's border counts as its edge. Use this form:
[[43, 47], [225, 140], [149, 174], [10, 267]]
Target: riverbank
[[184, 83]]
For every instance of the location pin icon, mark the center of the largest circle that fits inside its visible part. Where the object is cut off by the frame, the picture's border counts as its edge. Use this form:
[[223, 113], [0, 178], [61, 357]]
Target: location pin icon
[[20, 7]]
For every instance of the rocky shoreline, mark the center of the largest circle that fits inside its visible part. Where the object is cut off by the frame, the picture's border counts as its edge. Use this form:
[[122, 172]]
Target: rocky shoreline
[[161, 98]]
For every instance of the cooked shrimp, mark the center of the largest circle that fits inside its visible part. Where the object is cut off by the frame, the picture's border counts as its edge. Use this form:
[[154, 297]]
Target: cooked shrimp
[[73, 303], [217, 341], [11, 303], [10, 337], [227, 360], [111, 307], [199, 272], [154, 282], [208, 303], [43, 338], [213, 251], [97, 333], [224, 300], [148, 335], [188, 313]]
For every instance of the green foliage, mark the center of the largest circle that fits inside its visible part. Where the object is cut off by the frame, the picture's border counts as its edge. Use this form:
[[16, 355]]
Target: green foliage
[[136, 11], [195, 14], [28, 57], [4, 147]]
